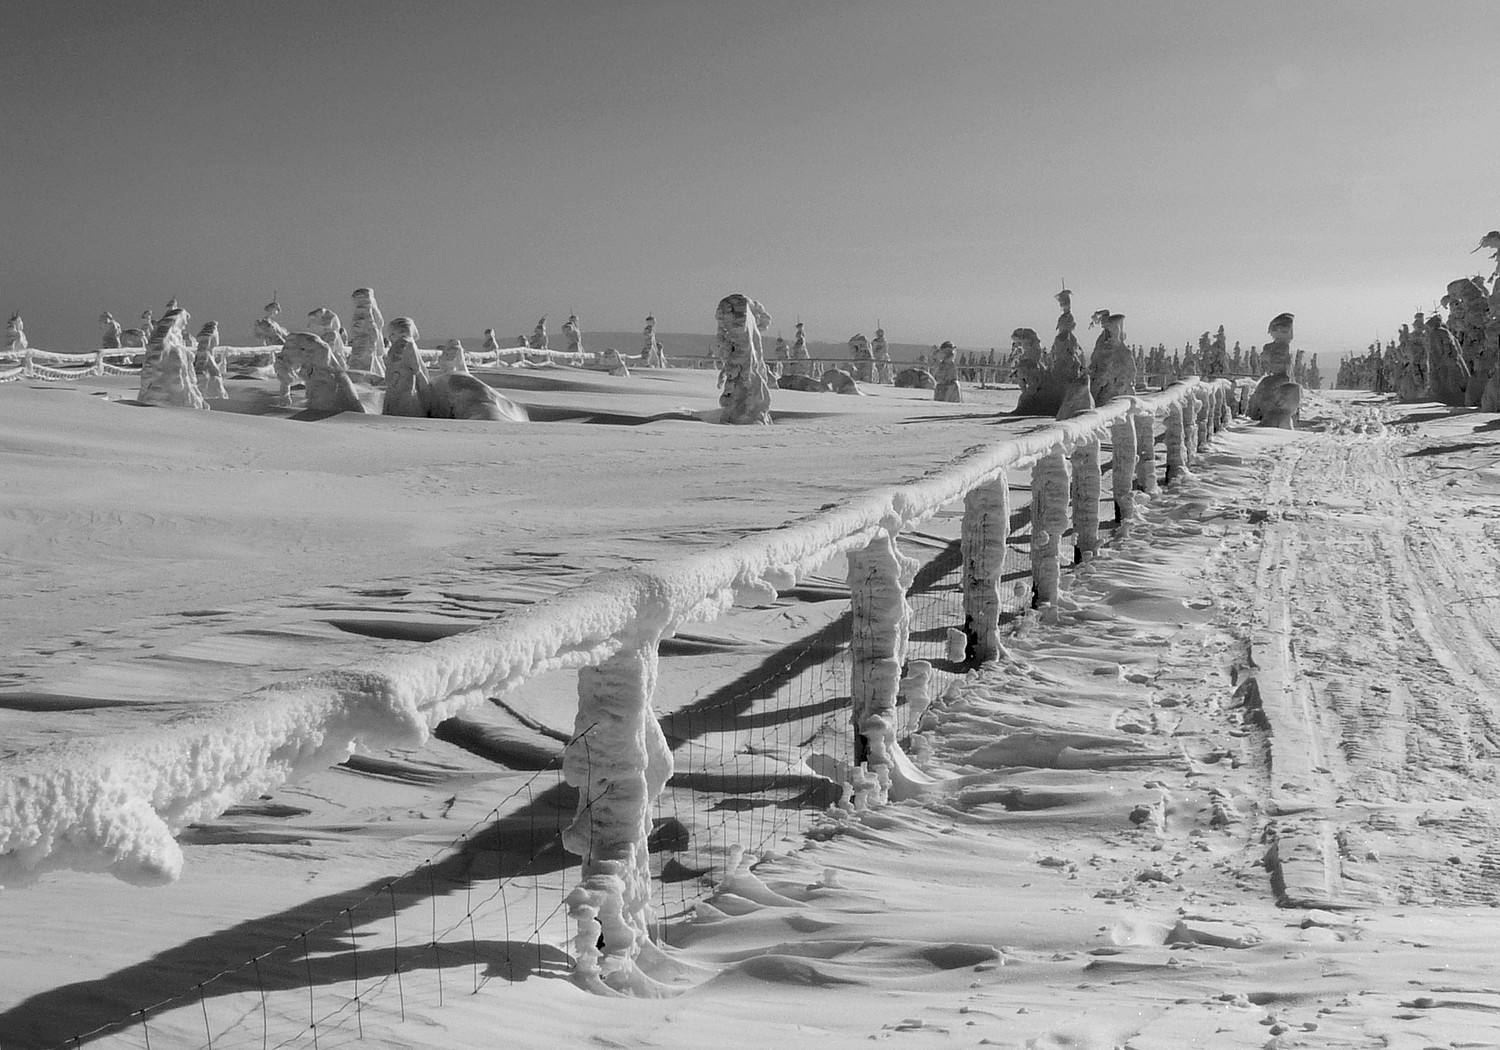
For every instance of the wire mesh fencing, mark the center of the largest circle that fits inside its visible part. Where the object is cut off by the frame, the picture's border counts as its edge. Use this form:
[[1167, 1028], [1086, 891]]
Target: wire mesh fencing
[[491, 907]]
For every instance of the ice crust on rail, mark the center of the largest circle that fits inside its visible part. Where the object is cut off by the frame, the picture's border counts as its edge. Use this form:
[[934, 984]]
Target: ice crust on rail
[[115, 803]]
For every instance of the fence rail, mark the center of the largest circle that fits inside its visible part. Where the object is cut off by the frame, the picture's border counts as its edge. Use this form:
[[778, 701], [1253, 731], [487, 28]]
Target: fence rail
[[855, 691], [35, 362]]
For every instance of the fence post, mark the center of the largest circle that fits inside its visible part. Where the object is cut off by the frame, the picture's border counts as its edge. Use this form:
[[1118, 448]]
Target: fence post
[[1122, 466], [1204, 397], [1174, 440], [1145, 449], [619, 762], [879, 576], [1189, 408], [1084, 494], [986, 528], [1049, 520]]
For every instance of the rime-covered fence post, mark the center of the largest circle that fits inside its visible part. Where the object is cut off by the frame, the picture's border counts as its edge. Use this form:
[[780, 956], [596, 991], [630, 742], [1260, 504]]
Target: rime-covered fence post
[[1145, 449], [879, 576], [619, 761], [986, 528], [1084, 494], [1206, 415], [1122, 466], [1049, 520], [1174, 439], [1188, 406]]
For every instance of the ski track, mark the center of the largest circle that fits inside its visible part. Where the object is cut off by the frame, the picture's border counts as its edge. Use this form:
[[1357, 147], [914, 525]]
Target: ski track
[[1394, 666]]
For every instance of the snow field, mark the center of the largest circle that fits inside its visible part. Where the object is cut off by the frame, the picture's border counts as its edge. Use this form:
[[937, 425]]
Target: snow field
[[117, 804]]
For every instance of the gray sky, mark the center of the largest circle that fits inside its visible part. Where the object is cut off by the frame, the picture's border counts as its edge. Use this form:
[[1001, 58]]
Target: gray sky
[[941, 165]]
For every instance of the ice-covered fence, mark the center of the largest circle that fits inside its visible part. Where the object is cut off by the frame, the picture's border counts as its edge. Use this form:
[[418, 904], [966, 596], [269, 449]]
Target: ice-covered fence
[[39, 364], [115, 804], [237, 353], [53, 366]]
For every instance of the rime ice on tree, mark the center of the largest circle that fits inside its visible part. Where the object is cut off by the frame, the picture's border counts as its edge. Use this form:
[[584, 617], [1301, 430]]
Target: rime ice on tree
[[328, 386], [460, 395], [651, 352], [1277, 396], [1065, 364], [167, 374], [614, 363], [1031, 371], [406, 379], [881, 351], [1065, 369], [1314, 376], [914, 379], [1112, 367], [1468, 314], [1491, 241], [800, 360], [839, 382], [451, 358], [15, 334], [945, 375], [742, 365], [206, 371], [366, 341], [780, 357], [574, 334], [267, 329], [1045, 378], [451, 393], [1447, 374], [109, 331], [1077, 397], [864, 360], [401, 328], [325, 324]]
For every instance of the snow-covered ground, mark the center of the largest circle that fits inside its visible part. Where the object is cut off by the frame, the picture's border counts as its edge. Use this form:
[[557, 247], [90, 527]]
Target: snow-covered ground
[[1116, 818]]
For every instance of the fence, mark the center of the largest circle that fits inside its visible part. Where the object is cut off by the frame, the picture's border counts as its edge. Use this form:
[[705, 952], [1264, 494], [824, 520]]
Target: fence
[[656, 809], [41, 364]]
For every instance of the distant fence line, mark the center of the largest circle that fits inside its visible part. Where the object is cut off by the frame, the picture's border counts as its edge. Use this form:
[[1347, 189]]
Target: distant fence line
[[50, 365], [120, 804]]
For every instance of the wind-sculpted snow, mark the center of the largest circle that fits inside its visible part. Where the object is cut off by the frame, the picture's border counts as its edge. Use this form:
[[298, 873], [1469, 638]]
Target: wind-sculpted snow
[[115, 803]]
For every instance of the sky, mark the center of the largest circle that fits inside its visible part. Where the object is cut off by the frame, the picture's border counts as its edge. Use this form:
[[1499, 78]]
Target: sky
[[938, 165]]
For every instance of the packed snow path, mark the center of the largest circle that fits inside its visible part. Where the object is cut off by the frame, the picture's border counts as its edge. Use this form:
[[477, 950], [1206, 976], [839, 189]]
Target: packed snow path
[[1371, 597]]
